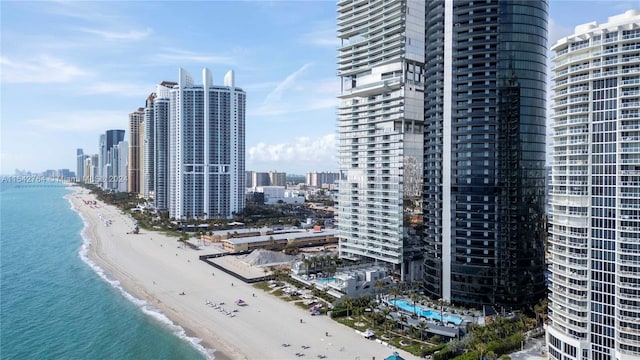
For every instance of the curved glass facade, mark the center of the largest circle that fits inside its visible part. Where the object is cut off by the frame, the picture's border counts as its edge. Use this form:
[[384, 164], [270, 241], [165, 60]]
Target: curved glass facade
[[485, 115]]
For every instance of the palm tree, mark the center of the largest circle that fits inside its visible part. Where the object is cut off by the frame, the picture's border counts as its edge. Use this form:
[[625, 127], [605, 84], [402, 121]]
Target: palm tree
[[395, 291], [348, 303], [414, 298], [388, 325], [480, 348], [422, 326], [314, 263], [372, 316], [306, 263], [540, 309], [379, 285], [385, 312], [412, 331]]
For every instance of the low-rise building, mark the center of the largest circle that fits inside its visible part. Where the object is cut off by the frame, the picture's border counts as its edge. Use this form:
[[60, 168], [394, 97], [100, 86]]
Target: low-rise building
[[271, 239]]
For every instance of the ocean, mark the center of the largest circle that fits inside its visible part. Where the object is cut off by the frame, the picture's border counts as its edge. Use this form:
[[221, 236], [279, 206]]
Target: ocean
[[55, 303]]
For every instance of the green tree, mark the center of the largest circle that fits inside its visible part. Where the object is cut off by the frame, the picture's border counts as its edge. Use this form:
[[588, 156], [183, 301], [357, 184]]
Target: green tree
[[371, 316], [422, 326], [348, 303], [385, 312], [388, 325], [394, 291], [379, 285], [540, 309], [480, 347], [414, 298]]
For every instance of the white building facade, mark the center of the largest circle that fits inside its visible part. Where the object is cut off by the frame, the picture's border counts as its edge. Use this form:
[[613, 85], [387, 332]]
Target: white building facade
[[206, 148], [594, 228], [380, 130]]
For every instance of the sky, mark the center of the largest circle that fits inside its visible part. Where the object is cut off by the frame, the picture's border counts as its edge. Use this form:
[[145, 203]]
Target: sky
[[70, 70]]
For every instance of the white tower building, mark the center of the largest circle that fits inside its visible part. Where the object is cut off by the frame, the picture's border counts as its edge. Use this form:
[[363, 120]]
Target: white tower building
[[206, 148], [594, 296]]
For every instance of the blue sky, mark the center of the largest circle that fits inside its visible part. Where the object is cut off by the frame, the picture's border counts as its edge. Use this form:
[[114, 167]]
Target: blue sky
[[69, 70]]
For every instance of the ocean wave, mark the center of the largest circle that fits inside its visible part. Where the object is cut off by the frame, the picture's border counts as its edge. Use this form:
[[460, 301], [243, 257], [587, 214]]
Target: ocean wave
[[142, 304]]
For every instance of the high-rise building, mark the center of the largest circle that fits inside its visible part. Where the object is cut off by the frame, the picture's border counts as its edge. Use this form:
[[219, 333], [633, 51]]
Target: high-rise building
[[102, 159], [120, 163], [160, 145], [206, 148], [259, 178], [90, 168], [594, 227], [380, 129], [270, 178], [148, 147], [277, 178], [484, 151], [136, 128], [322, 179], [109, 173], [80, 160]]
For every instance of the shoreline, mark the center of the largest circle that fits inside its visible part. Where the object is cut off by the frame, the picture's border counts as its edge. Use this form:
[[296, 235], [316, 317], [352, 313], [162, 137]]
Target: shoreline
[[138, 297], [152, 268]]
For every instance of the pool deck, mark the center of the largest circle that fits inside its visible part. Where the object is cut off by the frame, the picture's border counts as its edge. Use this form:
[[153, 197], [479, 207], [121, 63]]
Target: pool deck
[[441, 316]]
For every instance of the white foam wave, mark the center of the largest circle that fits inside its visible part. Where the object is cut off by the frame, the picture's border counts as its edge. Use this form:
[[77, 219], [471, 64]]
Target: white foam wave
[[142, 304]]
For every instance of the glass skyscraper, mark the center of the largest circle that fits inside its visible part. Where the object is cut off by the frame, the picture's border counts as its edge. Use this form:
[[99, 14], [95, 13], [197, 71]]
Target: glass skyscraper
[[484, 150], [380, 130], [594, 300], [136, 151], [156, 146]]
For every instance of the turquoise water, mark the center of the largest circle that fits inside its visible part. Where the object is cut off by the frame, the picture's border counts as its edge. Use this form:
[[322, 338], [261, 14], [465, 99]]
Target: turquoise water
[[57, 304], [325, 280], [406, 306]]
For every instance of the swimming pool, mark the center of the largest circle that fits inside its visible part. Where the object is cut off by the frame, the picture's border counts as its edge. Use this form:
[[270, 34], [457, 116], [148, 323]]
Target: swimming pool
[[406, 306], [326, 280]]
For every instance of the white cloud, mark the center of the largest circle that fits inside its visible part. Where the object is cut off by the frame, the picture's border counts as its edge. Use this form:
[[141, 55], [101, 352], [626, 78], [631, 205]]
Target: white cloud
[[184, 56], [122, 89], [303, 153], [288, 82], [44, 69], [84, 122], [294, 95], [131, 35], [259, 86]]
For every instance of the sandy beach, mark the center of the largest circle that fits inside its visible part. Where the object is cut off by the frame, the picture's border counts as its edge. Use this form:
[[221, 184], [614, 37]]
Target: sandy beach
[[153, 267]]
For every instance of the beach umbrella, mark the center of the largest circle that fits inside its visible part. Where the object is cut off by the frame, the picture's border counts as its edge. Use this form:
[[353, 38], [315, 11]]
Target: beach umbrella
[[394, 356]]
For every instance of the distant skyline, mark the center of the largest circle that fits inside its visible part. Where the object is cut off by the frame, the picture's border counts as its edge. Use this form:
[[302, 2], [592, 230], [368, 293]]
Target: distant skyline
[[71, 70]]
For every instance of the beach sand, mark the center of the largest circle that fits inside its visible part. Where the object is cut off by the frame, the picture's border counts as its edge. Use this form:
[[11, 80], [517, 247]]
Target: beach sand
[[153, 267]]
